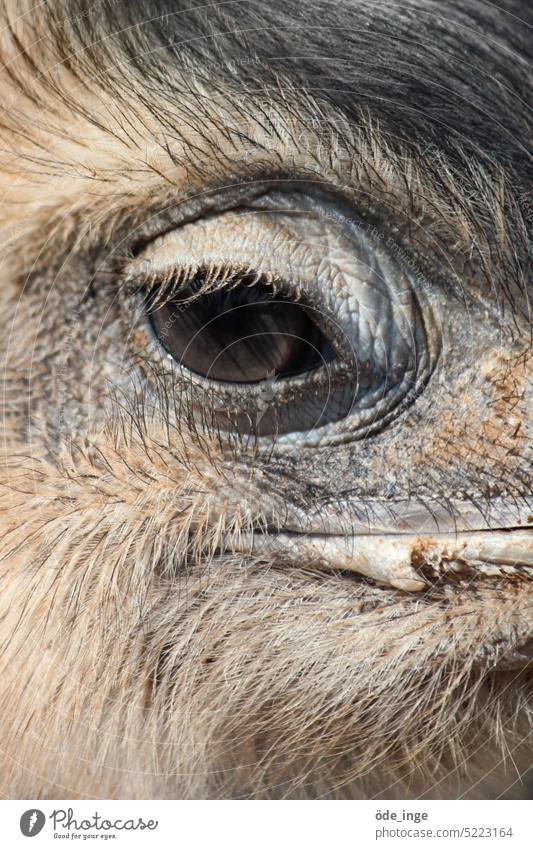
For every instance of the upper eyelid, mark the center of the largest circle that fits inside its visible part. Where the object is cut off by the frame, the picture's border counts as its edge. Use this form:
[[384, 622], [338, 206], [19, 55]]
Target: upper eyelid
[[163, 219], [326, 142]]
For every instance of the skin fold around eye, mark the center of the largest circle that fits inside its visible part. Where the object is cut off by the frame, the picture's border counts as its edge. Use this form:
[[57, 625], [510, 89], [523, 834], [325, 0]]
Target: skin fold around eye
[[342, 303]]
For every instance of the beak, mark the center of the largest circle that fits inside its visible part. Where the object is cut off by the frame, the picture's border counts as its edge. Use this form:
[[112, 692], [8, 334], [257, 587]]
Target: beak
[[407, 562]]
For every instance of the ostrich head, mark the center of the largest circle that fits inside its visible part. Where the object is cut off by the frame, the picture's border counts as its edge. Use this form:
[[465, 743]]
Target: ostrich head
[[266, 396]]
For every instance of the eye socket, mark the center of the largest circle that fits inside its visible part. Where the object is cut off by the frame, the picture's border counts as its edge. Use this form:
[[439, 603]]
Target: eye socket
[[287, 320], [240, 333]]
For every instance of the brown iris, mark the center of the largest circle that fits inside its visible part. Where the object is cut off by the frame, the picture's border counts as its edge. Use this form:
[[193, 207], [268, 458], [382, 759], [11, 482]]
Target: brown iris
[[241, 333]]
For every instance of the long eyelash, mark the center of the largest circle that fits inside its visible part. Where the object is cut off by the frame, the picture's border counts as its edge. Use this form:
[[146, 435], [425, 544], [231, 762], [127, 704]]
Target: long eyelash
[[164, 286]]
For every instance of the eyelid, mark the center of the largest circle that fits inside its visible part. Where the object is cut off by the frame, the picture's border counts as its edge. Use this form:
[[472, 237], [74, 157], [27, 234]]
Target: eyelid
[[382, 206], [362, 300]]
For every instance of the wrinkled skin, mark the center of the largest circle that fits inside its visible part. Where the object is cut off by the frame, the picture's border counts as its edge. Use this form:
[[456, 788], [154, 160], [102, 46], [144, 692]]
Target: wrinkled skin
[[222, 577]]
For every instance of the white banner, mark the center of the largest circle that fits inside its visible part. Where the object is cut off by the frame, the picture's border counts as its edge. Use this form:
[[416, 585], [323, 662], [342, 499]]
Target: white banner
[[265, 825]]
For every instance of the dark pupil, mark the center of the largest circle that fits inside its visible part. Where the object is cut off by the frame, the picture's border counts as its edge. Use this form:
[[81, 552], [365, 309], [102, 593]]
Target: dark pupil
[[243, 333]]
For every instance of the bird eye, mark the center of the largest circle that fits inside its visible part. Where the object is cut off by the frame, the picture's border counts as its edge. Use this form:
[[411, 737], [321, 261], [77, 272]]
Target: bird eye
[[288, 319], [241, 334]]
